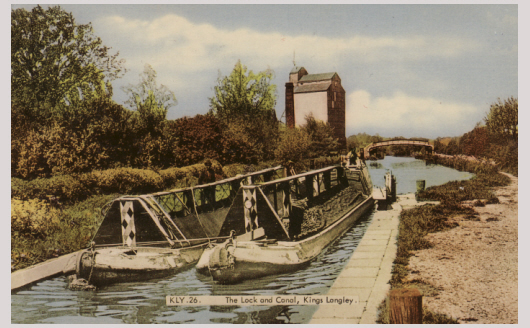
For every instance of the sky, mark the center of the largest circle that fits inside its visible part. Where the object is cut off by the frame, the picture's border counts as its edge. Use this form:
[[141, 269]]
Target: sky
[[408, 70]]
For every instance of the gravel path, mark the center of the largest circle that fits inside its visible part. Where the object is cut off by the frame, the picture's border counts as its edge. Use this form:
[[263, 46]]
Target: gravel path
[[474, 266]]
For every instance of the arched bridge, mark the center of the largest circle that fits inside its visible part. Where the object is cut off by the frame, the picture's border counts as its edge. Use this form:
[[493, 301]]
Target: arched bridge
[[391, 142]]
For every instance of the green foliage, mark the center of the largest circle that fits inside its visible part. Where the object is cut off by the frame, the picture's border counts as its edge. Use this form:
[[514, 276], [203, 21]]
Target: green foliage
[[33, 217], [148, 94], [321, 135], [203, 136], [40, 231], [502, 120], [498, 140], [467, 164], [293, 146], [180, 177], [476, 142], [127, 181], [506, 156], [361, 140], [78, 187], [457, 191], [243, 94], [28, 155], [150, 101], [88, 135], [55, 61], [153, 150], [244, 104]]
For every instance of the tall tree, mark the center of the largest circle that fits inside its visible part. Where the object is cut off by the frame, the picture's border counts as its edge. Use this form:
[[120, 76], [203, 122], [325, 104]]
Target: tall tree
[[148, 91], [56, 61], [243, 94], [150, 100], [244, 102], [152, 144], [321, 135], [502, 119]]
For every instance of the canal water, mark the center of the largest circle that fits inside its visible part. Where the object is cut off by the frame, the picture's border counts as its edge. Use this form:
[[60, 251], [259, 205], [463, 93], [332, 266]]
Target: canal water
[[50, 301]]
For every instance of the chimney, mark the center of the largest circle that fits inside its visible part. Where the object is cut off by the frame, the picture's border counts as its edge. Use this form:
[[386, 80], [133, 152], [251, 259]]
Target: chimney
[[289, 104]]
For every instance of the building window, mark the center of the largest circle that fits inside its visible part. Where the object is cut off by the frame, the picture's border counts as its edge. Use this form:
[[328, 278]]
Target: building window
[[332, 104], [335, 96]]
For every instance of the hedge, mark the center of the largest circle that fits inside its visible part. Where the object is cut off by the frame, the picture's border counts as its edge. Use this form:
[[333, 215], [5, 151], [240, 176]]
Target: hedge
[[77, 187]]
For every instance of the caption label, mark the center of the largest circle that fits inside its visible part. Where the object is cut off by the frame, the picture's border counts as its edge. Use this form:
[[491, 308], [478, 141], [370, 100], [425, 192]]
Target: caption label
[[246, 300]]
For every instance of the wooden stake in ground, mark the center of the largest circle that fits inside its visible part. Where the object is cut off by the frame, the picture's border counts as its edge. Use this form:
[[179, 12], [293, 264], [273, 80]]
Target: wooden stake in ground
[[405, 306]]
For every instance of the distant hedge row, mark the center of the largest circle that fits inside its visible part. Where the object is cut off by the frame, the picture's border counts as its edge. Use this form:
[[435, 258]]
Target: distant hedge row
[[302, 166], [76, 187]]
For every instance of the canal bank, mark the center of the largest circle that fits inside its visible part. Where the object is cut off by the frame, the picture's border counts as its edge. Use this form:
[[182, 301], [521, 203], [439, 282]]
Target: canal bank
[[474, 266], [368, 272]]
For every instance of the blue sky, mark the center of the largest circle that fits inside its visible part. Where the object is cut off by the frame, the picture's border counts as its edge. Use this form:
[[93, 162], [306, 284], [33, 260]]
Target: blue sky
[[408, 70]]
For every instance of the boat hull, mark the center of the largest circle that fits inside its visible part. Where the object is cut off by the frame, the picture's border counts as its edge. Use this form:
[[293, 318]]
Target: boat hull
[[117, 265], [249, 260]]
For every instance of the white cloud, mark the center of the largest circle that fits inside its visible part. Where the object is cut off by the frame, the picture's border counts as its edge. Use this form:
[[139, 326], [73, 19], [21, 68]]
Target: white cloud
[[187, 56], [174, 41], [407, 116]]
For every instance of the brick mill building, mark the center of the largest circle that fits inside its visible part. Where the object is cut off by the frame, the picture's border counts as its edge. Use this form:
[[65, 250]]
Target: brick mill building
[[319, 94]]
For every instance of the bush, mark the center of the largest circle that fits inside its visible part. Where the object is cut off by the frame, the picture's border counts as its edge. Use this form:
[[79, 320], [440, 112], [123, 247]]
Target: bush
[[293, 146], [33, 218], [173, 176], [127, 181], [40, 231], [456, 191], [30, 152], [76, 187], [66, 187]]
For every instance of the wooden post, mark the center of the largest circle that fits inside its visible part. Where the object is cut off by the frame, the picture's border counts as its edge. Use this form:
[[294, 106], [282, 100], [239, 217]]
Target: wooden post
[[309, 186], [405, 306], [327, 180]]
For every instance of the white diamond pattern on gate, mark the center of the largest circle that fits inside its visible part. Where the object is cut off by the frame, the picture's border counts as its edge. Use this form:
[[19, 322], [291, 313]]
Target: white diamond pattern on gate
[[128, 230], [251, 212]]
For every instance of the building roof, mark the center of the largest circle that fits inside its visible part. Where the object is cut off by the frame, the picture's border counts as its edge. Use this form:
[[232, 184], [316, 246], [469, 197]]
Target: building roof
[[312, 87], [296, 69], [317, 77]]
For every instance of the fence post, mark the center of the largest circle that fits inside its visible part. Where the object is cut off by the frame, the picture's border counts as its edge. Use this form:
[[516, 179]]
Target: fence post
[[405, 306]]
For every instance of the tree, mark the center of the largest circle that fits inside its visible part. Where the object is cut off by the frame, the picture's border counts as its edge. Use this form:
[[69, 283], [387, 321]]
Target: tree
[[55, 61], [476, 142], [453, 147], [502, 119], [321, 135], [93, 135], [293, 146], [361, 140], [439, 147], [244, 103], [151, 101], [243, 94]]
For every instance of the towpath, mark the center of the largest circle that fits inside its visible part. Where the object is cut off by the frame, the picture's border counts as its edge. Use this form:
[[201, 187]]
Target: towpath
[[369, 270], [475, 265]]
